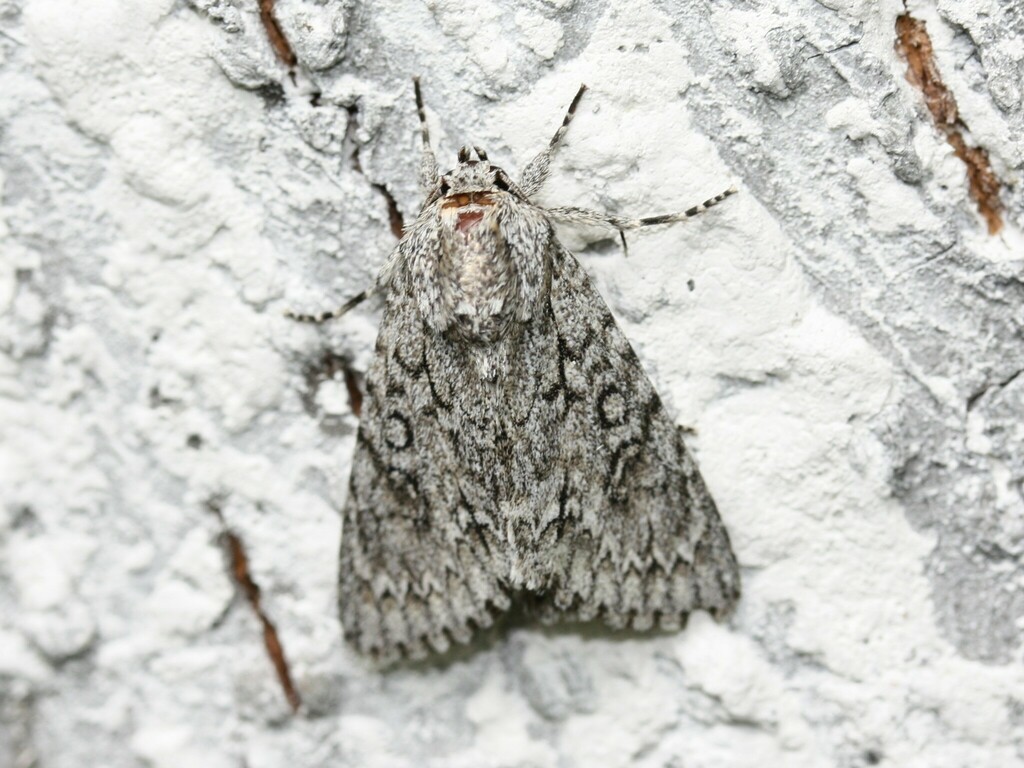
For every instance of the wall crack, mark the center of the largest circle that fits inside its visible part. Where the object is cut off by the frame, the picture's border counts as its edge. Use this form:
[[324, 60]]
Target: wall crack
[[394, 214], [278, 40], [238, 565], [975, 397], [915, 45]]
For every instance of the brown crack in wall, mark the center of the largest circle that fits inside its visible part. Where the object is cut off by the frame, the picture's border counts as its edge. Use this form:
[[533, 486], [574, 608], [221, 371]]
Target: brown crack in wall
[[238, 563], [278, 41], [394, 215], [914, 44], [328, 368], [355, 393]]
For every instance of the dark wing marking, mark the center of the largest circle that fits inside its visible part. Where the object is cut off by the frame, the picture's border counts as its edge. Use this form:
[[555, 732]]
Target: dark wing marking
[[631, 534], [420, 564]]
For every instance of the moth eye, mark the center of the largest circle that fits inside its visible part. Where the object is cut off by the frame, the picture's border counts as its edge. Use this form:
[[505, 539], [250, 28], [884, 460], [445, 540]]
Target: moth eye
[[443, 189], [500, 183]]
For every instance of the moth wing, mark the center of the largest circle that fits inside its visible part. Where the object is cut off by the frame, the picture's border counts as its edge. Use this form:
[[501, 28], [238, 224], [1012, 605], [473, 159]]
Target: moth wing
[[635, 537], [420, 565]]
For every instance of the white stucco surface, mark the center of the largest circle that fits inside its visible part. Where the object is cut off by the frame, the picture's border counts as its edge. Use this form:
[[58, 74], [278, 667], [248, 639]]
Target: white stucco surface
[[844, 337]]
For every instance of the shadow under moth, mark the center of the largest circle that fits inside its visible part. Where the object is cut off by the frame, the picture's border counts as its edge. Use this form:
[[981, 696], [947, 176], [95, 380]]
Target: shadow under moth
[[511, 446]]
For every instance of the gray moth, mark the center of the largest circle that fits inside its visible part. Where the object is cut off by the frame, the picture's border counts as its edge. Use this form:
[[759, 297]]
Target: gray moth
[[511, 448]]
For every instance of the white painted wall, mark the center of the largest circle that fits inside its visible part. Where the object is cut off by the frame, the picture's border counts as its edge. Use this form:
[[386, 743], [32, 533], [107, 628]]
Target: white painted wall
[[168, 190]]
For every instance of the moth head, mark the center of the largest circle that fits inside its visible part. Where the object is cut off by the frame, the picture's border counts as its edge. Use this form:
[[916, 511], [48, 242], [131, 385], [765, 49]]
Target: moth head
[[469, 191], [473, 176]]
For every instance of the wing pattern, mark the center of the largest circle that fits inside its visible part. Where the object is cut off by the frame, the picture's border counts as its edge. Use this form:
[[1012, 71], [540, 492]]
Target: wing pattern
[[562, 481]]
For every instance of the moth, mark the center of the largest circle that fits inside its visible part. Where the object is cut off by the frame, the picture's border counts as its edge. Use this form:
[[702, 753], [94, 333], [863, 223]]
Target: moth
[[511, 447]]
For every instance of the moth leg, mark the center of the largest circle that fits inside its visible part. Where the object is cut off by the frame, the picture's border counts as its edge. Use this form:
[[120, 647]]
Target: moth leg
[[323, 317], [572, 215], [536, 171], [428, 163]]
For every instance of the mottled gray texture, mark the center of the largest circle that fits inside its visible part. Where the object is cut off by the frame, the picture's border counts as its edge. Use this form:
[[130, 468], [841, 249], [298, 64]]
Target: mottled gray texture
[[511, 448]]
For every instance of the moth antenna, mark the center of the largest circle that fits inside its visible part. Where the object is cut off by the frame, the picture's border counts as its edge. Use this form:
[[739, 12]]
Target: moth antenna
[[428, 163], [536, 172]]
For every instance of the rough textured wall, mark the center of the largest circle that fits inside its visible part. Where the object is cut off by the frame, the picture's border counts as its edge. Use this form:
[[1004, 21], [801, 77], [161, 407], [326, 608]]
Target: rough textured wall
[[845, 338]]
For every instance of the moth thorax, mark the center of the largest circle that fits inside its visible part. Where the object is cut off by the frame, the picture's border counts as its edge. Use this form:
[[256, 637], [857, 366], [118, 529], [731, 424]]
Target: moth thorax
[[478, 275]]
